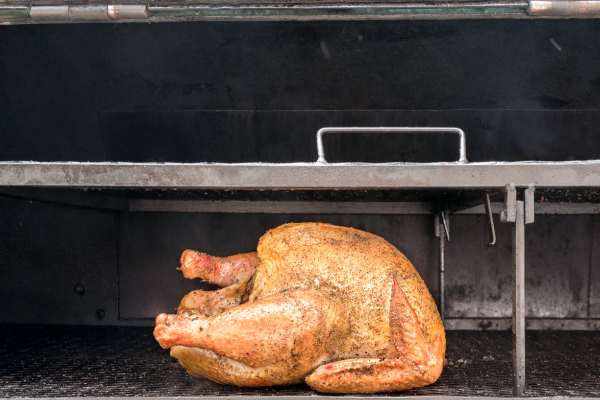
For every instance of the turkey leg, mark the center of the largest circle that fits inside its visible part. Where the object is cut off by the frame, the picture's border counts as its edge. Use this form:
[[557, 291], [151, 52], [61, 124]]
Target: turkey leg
[[419, 363], [281, 338], [222, 271], [212, 302]]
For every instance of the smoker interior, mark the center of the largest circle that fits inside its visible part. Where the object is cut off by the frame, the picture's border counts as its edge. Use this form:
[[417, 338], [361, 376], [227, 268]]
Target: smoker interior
[[82, 277], [60, 361]]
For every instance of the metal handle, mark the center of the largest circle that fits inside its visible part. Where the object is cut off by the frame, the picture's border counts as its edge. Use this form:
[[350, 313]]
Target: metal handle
[[322, 131]]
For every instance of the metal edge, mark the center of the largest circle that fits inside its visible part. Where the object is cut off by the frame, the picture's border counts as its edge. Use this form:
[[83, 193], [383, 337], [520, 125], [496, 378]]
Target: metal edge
[[99, 12], [302, 175], [394, 17]]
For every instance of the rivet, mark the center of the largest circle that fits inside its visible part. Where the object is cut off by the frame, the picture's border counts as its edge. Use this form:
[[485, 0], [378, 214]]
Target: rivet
[[99, 315], [79, 289]]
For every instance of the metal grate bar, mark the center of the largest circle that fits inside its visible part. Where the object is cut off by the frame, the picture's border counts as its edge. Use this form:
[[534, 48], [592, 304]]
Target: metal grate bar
[[302, 175]]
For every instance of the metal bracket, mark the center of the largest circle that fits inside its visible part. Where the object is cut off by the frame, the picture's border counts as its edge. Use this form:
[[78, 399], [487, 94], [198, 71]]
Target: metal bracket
[[530, 204], [441, 229], [509, 212], [464, 200], [490, 219], [445, 223]]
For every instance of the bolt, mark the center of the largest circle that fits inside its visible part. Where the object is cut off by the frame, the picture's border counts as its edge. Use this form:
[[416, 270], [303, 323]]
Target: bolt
[[79, 289], [99, 315]]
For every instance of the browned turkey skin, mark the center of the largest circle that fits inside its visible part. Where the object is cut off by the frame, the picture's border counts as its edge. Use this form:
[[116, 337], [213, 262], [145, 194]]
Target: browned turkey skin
[[339, 308]]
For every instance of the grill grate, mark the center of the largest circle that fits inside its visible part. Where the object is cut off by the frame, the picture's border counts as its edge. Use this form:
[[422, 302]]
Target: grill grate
[[75, 361]]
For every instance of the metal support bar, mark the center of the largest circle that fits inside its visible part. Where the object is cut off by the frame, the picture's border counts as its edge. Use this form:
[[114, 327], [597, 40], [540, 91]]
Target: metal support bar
[[314, 8], [518, 320], [562, 175], [441, 266], [514, 211], [442, 232], [490, 220], [445, 224], [91, 13], [99, 13], [509, 213], [529, 204]]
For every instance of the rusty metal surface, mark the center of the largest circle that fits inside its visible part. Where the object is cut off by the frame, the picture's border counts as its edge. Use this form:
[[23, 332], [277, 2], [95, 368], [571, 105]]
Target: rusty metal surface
[[558, 267], [41, 361]]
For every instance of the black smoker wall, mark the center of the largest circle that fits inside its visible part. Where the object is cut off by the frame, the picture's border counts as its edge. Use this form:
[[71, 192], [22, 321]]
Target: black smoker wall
[[141, 92]]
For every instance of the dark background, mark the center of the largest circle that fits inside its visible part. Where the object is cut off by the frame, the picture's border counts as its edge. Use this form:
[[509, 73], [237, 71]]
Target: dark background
[[236, 91]]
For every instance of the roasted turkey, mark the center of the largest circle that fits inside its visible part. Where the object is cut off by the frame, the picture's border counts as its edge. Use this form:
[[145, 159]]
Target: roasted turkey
[[338, 308]]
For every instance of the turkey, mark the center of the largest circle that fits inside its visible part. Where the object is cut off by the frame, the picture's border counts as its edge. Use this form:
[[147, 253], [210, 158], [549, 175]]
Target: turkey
[[338, 308]]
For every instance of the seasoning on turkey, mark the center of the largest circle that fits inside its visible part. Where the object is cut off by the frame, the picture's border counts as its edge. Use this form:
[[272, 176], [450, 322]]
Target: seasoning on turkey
[[338, 308]]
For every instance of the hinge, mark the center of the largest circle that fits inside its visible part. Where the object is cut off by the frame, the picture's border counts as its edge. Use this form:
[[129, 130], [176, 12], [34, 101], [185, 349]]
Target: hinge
[[575, 8], [89, 12]]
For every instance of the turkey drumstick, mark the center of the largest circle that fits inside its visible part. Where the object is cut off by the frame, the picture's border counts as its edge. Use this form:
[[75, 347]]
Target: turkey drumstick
[[213, 302], [222, 271]]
